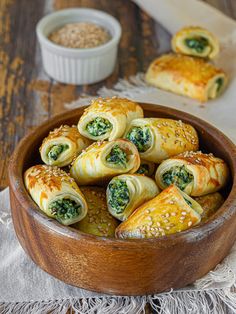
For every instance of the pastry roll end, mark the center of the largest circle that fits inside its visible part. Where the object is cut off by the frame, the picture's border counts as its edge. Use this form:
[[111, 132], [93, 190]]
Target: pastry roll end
[[108, 118], [194, 173], [196, 41], [62, 145], [56, 193], [157, 138], [127, 192], [104, 160]]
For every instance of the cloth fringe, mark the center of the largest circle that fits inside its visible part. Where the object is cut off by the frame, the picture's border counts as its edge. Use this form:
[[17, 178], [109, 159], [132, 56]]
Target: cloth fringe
[[98, 305], [212, 301], [131, 87], [223, 274]]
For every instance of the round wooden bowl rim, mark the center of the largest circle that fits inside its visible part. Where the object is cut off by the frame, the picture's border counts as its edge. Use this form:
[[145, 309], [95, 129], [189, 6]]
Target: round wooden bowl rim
[[198, 232]]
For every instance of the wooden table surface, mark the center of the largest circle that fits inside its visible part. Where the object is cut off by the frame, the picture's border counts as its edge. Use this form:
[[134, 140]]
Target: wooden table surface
[[28, 96]]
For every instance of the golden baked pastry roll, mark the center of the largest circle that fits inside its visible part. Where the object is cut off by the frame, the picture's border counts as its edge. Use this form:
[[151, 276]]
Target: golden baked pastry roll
[[194, 173], [127, 192], [169, 212], [158, 139], [62, 145], [103, 160], [107, 118], [146, 168], [210, 203], [187, 76], [56, 193], [98, 220], [196, 41]]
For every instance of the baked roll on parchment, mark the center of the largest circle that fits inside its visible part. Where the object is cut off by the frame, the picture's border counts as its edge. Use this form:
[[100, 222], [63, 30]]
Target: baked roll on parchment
[[194, 173], [62, 145], [56, 193], [103, 160], [169, 212], [127, 192], [98, 220], [108, 118], [158, 139], [195, 41], [188, 76]]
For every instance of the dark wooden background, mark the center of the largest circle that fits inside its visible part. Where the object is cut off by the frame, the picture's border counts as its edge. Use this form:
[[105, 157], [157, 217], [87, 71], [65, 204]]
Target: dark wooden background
[[28, 96]]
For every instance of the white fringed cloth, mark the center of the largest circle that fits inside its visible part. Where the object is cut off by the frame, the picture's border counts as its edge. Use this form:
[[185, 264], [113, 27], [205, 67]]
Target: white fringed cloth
[[25, 288]]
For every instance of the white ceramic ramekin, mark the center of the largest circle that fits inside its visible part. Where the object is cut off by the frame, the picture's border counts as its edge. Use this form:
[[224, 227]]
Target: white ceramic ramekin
[[78, 66]]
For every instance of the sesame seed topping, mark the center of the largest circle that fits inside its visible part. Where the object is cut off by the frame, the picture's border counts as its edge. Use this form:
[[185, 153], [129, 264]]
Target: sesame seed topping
[[80, 35]]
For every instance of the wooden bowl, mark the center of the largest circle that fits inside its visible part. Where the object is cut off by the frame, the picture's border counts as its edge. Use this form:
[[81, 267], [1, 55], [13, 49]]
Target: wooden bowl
[[122, 267]]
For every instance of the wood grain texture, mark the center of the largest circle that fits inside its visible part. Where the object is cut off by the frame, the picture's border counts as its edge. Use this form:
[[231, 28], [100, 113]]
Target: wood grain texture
[[28, 96], [17, 67], [124, 267]]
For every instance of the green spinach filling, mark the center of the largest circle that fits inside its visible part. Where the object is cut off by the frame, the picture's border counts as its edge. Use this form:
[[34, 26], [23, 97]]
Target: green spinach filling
[[143, 169], [177, 175], [219, 83], [98, 126], [188, 202], [117, 156], [118, 196], [56, 150], [140, 137], [198, 43], [65, 209]]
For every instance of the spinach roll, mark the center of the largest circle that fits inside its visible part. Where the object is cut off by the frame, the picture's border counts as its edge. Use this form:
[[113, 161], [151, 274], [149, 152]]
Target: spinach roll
[[62, 145], [146, 168], [158, 139], [169, 212], [194, 173], [107, 119], [98, 220], [196, 41], [103, 160], [56, 193], [127, 192], [188, 76], [210, 203]]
